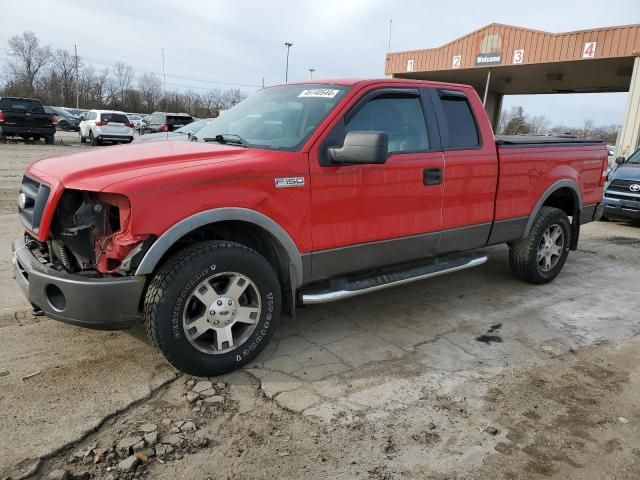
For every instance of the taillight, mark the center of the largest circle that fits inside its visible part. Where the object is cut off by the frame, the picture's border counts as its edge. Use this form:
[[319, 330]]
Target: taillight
[[100, 124], [605, 167], [54, 120], [164, 128], [1, 116], [130, 125]]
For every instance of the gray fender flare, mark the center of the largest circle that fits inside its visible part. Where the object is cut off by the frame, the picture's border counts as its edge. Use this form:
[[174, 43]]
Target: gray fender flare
[[573, 186], [180, 229]]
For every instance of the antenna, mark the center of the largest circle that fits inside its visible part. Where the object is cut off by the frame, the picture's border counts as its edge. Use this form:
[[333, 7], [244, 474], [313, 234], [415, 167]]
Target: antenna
[[164, 89], [77, 80]]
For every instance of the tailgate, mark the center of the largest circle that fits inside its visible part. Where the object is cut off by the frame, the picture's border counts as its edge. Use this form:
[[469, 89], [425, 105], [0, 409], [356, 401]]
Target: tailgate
[[22, 112]]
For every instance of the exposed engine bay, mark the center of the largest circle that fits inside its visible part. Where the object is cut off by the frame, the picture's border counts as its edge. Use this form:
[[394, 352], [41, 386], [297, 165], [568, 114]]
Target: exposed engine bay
[[89, 232]]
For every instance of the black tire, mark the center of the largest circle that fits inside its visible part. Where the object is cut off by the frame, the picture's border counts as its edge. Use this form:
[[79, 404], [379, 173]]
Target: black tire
[[49, 139], [83, 139], [92, 140], [64, 125], [3, 139], [523, 254], [168, 299]]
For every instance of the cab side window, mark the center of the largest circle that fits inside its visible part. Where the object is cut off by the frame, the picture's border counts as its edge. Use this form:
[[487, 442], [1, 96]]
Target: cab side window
[[399, 116]]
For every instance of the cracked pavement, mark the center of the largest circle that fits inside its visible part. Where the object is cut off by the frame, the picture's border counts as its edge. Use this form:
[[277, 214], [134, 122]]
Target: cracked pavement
[[369, 373]]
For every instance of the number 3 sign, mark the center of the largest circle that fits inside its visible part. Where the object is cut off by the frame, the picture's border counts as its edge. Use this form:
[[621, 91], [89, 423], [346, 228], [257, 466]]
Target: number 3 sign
[[589, 50], [518, 56]]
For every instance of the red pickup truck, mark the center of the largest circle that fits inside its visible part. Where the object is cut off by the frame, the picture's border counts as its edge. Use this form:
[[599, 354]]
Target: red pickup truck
[[301, 194]]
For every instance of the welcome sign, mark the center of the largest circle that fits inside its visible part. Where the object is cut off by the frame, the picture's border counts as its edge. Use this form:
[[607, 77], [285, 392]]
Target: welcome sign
[[493, 58]]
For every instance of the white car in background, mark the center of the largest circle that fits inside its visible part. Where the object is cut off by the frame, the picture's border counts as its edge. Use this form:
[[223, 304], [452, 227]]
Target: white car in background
[[106, 126], [135, 119]]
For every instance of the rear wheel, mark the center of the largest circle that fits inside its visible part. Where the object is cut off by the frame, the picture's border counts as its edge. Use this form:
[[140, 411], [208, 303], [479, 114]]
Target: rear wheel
[[540, 256], [83, 139], [213, 307], [3, 139], [92, 140], [49, 139]]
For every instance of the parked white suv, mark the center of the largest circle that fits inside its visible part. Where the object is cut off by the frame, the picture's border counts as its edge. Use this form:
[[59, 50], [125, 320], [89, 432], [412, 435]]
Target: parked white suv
[[107, 126]]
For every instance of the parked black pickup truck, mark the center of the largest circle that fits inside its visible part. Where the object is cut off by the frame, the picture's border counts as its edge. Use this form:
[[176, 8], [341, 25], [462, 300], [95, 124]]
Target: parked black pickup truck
[[25, 118]]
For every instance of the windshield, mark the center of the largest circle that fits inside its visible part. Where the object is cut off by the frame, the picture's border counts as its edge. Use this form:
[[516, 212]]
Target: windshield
[[634, 159], [194, 127], [279, 118]]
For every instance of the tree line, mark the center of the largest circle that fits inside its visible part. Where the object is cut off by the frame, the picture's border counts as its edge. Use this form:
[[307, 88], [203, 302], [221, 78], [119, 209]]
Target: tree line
[[37, 71], [517, 122]]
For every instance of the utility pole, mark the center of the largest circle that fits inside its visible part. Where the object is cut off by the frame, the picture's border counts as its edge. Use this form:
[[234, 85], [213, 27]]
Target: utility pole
[[389, 44], [262, 83], [286, 70], [77, 78], [164, 84], [311, 70]]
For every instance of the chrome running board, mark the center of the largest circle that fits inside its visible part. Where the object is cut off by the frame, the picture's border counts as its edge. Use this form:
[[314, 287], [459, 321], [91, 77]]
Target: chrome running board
[[346, 288]]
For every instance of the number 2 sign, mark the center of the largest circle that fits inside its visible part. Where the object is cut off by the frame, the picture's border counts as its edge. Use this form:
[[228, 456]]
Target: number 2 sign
[[589, 50], [457, 60]]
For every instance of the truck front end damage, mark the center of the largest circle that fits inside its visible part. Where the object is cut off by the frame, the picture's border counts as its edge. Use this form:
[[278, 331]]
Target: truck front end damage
[[78, 267]]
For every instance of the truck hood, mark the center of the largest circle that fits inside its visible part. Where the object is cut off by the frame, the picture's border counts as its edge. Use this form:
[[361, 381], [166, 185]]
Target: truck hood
[[97, 168], [626, 172]]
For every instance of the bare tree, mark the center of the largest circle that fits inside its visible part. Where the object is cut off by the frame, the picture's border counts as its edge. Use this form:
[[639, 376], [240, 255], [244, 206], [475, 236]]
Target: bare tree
[[124, 79], [587, 127], [64, 67], [539, 124], [28, 58], [150, 91]]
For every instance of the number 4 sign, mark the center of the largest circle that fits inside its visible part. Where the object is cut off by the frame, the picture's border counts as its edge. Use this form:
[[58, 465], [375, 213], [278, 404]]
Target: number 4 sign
[[589, 50]]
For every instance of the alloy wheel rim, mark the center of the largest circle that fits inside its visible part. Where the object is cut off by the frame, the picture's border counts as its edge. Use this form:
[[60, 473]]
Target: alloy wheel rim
[[550, 248], [222, 312]]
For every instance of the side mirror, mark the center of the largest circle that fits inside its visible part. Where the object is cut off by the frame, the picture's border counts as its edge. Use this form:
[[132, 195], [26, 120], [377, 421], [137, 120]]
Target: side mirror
[[361, 148], [620, 160]]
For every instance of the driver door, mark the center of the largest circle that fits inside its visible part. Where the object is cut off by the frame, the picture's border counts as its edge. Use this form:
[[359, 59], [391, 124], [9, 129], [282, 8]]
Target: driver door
[[369, 215]]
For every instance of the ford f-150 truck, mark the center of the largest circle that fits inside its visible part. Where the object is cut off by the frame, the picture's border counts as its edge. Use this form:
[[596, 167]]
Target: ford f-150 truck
[[301, 194]]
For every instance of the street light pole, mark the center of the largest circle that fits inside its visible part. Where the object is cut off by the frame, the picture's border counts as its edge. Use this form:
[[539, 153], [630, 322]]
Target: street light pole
[[286, 71], [311, 70]]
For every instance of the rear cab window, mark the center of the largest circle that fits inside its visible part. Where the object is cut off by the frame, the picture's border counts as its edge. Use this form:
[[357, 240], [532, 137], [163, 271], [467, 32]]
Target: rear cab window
[[462, 130], [21, 105]]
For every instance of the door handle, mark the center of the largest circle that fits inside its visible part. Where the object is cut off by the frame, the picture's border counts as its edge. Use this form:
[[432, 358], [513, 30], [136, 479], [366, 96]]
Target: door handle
[[432, 176]]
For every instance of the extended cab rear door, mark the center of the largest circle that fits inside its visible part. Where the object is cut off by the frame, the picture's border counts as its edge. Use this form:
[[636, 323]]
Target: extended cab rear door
[[470, 169], [368, 215]]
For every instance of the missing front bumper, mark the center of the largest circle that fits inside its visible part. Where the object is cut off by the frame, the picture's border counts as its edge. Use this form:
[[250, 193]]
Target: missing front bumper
[[109, 303]]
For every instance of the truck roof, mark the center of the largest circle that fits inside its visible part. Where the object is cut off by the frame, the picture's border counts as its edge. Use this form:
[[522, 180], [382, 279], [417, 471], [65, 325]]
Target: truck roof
[[359, 81]]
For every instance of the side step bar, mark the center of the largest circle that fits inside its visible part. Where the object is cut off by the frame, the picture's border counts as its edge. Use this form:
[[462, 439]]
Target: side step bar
[[346, 288]]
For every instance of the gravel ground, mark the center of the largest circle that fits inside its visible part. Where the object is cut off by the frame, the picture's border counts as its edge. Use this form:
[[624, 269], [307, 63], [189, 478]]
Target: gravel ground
[[469, 376]]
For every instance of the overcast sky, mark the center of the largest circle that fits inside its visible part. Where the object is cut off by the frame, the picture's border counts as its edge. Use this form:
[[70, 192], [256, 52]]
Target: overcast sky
[[238, 43]]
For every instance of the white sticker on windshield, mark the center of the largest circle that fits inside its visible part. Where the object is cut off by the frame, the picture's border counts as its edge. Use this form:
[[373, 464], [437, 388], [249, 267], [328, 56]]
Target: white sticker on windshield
[[319, 92]]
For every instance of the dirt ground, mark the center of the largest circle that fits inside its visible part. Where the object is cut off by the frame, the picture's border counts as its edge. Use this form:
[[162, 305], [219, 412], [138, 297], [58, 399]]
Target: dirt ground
[[473, 375]]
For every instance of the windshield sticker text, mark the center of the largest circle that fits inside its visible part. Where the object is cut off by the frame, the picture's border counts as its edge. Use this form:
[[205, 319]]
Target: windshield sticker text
[[319, 93]]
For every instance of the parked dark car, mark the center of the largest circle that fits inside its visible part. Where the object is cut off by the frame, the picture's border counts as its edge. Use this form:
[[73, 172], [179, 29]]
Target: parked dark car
[[164, 122], [622, 193], [66, 120], [27, 119], [181, 134]]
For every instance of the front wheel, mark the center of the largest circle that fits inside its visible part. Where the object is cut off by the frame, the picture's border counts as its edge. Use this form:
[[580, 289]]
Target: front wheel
[[213, 307], [540, 256]]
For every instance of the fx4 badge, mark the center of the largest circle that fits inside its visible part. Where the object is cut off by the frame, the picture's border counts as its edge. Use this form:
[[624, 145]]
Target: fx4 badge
[[289, 182]]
